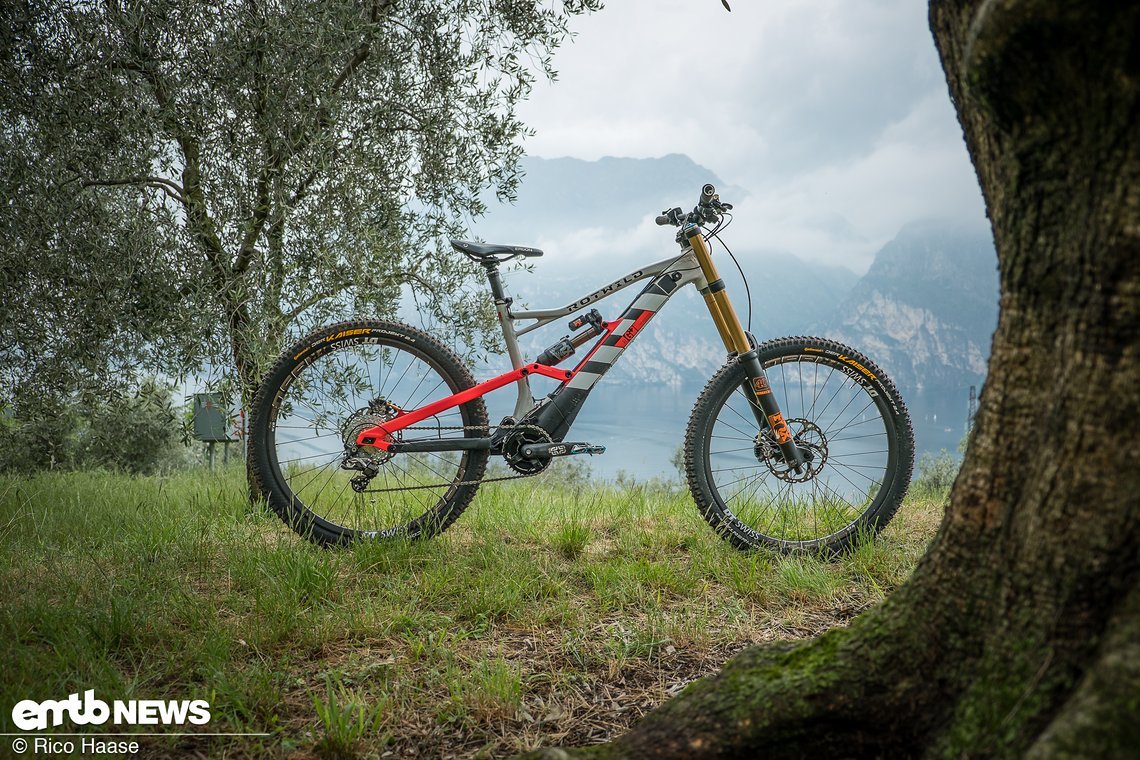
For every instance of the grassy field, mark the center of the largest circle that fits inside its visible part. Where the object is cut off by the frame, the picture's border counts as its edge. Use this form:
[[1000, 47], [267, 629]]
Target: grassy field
[[559, 622]]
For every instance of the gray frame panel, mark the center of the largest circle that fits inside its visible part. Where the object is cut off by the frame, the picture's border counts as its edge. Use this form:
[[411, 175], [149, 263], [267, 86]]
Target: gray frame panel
[[684, 263]]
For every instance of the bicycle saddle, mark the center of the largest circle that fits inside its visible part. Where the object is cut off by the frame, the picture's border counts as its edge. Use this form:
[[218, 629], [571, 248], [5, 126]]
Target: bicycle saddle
[[487, 251]]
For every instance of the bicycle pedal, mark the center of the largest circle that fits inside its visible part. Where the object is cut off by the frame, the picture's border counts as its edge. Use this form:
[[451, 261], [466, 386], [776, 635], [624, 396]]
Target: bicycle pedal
[[564, 449]]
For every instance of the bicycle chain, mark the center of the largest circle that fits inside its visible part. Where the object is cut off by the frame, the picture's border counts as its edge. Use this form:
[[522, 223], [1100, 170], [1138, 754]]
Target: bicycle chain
[[485, 428]]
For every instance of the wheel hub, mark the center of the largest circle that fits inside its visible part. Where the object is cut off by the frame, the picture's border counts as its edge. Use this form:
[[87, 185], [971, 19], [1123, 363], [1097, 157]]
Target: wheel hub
[[811, 442], [366, 460]]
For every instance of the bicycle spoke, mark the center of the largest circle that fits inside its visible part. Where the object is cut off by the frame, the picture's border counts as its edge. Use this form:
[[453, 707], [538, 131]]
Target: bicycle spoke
[[845, 457], [349, 389]]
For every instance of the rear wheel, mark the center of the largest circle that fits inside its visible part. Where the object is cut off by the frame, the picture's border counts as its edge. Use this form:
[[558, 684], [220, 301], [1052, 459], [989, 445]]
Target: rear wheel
[[332, 385], [846, 415]]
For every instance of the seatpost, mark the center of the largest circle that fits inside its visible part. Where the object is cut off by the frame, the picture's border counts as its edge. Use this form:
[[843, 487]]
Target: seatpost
[[496, 283], [525, 399]]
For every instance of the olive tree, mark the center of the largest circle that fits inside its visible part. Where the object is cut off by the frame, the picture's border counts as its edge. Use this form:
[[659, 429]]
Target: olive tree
[[186, 184]]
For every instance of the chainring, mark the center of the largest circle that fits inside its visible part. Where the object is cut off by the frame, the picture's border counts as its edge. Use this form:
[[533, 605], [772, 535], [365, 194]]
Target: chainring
[[513, 445]]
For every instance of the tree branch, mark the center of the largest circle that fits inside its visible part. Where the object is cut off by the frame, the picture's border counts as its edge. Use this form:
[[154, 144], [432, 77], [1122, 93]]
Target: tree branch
[[260, 215], [303, 186], [302, 136], [198, 215], [173, 189], [272, 165], [405, 276], [299, 140], [329, 292], [315, 299]]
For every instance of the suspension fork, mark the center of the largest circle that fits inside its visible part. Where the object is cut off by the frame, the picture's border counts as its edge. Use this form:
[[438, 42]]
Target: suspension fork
[[763, 401]]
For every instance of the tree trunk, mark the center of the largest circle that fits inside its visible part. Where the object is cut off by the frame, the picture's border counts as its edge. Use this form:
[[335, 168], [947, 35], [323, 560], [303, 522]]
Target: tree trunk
[[1019, 633], [245, 355]]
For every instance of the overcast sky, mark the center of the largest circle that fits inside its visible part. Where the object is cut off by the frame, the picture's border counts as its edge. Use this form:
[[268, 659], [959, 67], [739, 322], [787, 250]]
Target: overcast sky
[[833, 114]]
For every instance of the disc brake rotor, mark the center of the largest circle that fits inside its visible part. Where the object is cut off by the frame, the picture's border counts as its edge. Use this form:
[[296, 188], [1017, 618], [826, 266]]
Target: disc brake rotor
[[808, 437]]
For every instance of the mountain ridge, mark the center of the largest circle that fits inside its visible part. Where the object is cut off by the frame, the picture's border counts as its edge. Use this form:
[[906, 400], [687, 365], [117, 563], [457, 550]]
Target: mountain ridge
[[927, 307], [924, 310]]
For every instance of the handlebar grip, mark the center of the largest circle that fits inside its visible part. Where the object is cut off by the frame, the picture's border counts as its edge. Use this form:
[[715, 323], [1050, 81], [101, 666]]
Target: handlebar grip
[[663, 220], [707, 193]]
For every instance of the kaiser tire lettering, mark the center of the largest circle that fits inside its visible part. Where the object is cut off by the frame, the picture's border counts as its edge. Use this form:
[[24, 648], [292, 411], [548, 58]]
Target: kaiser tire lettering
[[349, 333], [853, 363]]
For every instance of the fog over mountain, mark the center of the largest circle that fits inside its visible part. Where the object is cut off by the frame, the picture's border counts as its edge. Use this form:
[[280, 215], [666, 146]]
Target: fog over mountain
[[925, 310]]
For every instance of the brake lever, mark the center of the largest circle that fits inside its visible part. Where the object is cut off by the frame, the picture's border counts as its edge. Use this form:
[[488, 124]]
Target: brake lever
[[715, 206]]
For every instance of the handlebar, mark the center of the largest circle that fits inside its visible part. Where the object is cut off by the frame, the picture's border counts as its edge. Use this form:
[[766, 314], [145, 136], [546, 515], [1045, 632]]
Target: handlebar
[[707, 211]]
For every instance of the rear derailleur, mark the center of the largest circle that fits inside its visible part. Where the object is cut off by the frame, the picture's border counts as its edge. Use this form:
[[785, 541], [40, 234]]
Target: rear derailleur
[[368, 469], [366, 462]]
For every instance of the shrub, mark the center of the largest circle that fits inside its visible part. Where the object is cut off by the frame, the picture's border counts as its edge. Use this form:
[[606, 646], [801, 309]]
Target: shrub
[[135, 433], [42, 438], [936, 474], [131, 433]]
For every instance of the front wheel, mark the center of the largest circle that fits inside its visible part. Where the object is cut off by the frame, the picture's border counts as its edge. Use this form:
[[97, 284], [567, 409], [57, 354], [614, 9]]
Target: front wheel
[[842, 411]]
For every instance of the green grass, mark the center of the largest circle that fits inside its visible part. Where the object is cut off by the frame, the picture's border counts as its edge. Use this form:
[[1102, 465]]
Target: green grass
[[347, 716], [551, 612]]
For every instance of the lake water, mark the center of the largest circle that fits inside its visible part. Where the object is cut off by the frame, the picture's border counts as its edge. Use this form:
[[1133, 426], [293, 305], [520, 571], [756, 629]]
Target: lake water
[[642, 426]]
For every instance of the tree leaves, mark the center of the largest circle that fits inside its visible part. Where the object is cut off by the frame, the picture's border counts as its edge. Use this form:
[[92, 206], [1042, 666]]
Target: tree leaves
[[192, 185]]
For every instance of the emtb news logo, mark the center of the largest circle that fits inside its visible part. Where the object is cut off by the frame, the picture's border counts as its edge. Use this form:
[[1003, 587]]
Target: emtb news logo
[[30, 715]]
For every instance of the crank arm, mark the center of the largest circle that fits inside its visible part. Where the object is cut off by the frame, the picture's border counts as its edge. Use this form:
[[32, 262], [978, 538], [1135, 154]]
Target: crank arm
[[550, 450]]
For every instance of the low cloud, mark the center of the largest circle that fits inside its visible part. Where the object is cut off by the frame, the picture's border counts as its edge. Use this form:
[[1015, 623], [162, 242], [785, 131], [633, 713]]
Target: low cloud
[[833, 116]]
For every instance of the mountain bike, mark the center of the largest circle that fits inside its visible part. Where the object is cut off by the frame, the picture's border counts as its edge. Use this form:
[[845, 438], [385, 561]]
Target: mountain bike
[[373, 429]]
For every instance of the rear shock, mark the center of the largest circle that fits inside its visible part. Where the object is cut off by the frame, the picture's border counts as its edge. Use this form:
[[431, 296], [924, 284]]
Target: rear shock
[[569, 344]]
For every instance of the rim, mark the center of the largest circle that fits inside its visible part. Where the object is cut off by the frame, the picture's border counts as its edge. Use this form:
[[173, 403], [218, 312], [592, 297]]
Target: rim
[[356, 384], [846, 429]]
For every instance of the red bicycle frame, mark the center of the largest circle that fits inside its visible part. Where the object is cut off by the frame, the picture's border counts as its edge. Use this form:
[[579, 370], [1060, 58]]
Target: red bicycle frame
[[380, 435]]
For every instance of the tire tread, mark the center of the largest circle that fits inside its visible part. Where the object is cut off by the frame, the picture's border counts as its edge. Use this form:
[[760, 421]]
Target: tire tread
[[298, 517]]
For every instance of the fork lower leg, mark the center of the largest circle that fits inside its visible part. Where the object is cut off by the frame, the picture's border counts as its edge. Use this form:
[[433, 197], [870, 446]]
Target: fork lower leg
[[762, 402]]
